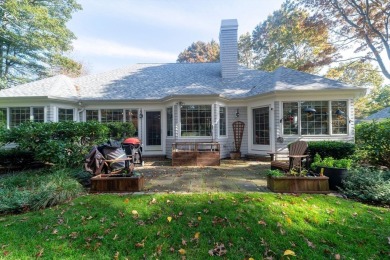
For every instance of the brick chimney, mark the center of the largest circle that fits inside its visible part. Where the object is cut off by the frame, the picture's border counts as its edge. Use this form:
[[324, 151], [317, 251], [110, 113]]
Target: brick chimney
[[228, 48]]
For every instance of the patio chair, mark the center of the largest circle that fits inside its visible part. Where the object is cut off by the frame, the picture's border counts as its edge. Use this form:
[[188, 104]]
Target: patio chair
[[297, 153]]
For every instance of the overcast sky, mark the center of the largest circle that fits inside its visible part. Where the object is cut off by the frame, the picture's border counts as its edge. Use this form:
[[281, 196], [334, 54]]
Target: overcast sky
[[117, 33]]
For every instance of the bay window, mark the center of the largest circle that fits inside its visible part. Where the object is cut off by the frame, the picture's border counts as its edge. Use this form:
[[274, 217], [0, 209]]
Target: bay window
[[65, 114], [132, 117], [91, 115], [222, 121], [314, 118], [339, 123], [169, 121], [19, 115], [195, 120], [3, 117], [315, 123], [111, 115]]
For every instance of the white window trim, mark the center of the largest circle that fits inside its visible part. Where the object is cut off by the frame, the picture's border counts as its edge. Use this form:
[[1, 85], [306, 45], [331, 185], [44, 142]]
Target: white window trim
[[330, 127]]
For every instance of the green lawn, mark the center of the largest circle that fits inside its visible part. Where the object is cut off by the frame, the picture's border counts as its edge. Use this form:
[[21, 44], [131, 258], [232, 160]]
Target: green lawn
[[255, 225]]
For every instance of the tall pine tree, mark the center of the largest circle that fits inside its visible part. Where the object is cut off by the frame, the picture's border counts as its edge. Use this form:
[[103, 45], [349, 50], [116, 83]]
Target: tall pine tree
[[33, 38]]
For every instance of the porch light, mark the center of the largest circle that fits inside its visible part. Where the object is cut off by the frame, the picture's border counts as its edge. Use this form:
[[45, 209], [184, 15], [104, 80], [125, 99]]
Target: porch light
[[237, 113], [309, 111], [141, 115], [341, 114]]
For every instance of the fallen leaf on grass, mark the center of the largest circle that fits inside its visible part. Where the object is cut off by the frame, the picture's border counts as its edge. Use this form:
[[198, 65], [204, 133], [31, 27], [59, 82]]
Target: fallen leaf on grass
[[73, 235], [182, 251], [169, 219], [159, 250], [116, 256], [134, 212], [337, 256], [288, 220], [218, 250], [139, 245], [309, 243], [183, 242], [54, 232], [197, 234], [126, 201], [289, 252], [40, 253], [262, 222]]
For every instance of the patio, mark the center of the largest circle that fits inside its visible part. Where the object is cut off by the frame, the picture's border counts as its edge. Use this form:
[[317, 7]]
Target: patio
[[230, 176]]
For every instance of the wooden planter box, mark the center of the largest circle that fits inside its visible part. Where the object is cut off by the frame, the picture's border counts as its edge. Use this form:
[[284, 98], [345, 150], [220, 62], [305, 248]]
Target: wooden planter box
[[336, 176], [117, 183], [195, 154], [291, 184]]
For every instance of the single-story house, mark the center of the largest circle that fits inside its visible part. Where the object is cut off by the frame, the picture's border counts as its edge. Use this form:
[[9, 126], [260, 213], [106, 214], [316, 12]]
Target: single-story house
[[177, 102], [379, 116]]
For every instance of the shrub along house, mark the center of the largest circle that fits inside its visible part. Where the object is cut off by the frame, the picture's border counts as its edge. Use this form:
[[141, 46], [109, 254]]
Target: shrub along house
[[171, 103]]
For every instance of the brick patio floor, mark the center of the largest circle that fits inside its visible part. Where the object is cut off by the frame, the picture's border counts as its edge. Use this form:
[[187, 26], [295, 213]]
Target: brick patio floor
[[230, 176]]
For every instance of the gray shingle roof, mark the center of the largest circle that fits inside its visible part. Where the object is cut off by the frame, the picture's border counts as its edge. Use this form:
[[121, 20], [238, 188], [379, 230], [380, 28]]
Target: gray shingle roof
[[382, 114], [158, 81], [58, 86]]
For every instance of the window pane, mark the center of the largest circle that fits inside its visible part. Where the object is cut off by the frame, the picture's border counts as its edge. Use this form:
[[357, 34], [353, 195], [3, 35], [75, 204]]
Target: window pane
[[196, 120], [169, 121], [65, 114], [39, 114], [132, 117], [339, 123], [222, 121], [92, 115], [290, 118], [111, 115], [19, 115], [261, 126], [3, 117], [315, 123]]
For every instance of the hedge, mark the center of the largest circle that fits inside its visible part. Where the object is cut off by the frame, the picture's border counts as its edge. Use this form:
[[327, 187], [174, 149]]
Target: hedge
[[373, 140], [64, 143], [335, 149]]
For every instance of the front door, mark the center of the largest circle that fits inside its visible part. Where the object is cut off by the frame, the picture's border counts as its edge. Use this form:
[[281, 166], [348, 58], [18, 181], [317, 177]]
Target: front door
[[153, 130], [261, 132]]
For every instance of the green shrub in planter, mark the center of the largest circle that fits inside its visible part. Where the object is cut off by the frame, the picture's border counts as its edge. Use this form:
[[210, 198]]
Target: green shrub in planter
[[336, 170], [368, 184], [330, 162], [275, 173]]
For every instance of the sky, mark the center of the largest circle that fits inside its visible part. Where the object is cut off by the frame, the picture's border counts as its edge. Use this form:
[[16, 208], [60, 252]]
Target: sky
[[117, 33]]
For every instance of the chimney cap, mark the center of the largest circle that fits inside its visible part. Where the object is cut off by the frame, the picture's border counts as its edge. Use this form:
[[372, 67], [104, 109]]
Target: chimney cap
[[229, 24]]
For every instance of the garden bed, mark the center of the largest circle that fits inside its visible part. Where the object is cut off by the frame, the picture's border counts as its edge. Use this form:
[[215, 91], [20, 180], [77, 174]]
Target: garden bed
[[292, 184], [116, 183], [195, 154]]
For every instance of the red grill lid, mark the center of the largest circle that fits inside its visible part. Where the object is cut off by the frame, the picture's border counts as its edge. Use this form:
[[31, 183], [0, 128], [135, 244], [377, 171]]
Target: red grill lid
[[132, 140]]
